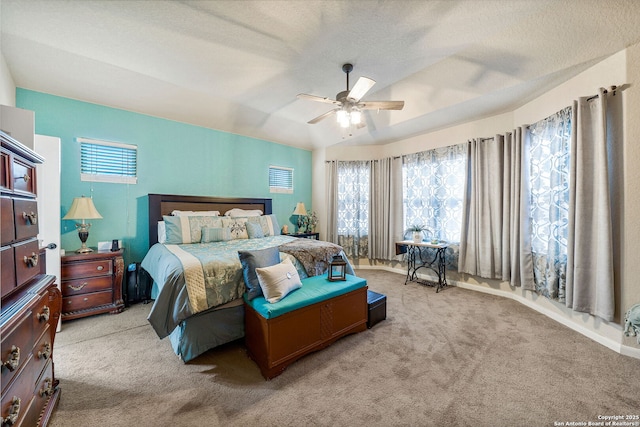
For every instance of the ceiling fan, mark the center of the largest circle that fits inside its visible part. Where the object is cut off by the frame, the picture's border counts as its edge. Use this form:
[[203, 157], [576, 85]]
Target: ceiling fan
[[349, 104]]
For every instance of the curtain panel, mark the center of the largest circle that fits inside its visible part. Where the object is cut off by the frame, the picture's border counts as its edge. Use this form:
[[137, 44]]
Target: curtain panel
[[385, 221], [354, 179], [331, 170], [590, 276]]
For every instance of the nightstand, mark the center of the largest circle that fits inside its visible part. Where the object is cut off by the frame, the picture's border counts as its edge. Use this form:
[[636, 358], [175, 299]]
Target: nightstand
[[92, 284], [307, 235]]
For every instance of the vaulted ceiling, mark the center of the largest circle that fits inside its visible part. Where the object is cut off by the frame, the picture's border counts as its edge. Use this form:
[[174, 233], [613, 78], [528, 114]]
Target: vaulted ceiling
[[237, 66]]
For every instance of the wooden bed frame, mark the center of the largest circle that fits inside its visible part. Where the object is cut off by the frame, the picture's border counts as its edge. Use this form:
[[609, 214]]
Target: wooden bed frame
[[164, 204]]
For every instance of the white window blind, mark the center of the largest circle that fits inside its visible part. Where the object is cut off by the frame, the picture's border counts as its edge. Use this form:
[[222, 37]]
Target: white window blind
[[105, 161], [280, 180]]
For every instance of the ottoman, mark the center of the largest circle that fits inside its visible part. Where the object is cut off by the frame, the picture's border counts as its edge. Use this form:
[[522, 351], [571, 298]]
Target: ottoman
[[377, 308]]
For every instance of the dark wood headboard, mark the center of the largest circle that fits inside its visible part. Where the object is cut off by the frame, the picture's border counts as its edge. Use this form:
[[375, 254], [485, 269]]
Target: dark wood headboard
[[164, 204]]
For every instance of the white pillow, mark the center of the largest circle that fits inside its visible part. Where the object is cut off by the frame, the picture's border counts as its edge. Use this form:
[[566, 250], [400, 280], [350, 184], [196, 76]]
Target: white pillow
[[278, 280], [162, 232], [195, 213], [237, 212]]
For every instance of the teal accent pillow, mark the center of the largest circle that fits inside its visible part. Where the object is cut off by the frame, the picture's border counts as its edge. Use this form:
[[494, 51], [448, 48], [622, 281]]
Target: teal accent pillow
[[187, 229], [215, 234], [251, 260], [254, 230], [268, 223]]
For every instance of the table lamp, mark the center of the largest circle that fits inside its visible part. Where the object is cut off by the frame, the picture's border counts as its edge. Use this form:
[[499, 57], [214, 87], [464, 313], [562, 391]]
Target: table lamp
[[301, 212], [82, 208]]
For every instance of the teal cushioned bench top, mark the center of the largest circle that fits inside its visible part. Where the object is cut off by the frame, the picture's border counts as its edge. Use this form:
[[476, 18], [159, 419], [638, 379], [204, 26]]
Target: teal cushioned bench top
[[314, 289]]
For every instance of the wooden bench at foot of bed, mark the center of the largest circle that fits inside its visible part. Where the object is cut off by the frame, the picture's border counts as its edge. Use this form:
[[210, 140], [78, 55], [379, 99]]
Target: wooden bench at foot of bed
[[306, 320]]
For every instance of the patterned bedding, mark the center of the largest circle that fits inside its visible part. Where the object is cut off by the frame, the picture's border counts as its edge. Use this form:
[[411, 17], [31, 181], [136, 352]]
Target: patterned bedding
[[192, 278]]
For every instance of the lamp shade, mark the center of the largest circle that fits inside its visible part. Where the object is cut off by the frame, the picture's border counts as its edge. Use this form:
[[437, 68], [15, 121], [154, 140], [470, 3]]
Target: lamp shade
[[300, 209], [82, 208]]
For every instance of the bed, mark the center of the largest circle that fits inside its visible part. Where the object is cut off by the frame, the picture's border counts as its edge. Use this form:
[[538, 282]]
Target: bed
[[213, 314]]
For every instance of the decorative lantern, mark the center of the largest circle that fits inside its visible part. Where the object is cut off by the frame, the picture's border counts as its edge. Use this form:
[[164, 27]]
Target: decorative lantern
[[337, 269]]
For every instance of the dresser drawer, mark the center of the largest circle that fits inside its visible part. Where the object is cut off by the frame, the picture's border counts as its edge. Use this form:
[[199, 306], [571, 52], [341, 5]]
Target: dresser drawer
[[18, 399], [26, 218], [27, 255], [86, 269], [4, 169], [7, 227], [42, 352], [24, 177], [8, 272], [85, 301], [44, 388], [84, 286], [15, 348], [41, 312]]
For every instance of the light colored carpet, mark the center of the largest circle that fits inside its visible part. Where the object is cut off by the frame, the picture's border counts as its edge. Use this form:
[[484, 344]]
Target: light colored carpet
[[456, 358]]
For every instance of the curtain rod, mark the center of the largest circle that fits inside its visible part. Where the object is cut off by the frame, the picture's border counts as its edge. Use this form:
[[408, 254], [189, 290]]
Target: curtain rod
[[611, 88]]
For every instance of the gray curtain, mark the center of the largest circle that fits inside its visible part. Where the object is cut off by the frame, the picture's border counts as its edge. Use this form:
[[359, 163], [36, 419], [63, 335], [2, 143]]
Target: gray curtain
[[481, 240], [331, 170], [516, 211], [495, 240], [590, 278], [385, 219]]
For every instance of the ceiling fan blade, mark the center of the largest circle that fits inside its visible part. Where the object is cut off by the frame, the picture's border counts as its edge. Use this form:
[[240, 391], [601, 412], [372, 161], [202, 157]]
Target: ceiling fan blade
[[381, 105], [361, 87], [317, 98], [322, 116]]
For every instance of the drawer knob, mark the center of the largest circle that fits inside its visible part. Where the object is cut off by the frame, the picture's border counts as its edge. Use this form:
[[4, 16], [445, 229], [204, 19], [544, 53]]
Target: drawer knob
[[31, 261], [100, 268], [26, 177], [44, 315], [31, 217], [14, 359], [46, 351], [47, 388], [79, 287], [14, 412]]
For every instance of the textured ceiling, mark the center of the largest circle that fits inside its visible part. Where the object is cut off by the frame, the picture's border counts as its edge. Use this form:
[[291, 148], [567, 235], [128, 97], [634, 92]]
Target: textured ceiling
[[237, 66]]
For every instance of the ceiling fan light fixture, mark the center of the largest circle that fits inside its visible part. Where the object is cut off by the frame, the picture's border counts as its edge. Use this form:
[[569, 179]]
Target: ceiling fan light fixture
[[356, 117], [343, 118]]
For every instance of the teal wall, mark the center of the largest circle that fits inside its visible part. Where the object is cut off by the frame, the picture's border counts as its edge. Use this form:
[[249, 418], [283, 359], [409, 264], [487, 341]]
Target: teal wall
[[173, 158]]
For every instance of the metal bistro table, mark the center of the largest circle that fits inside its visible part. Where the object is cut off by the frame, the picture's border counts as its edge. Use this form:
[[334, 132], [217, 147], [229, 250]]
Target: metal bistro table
[[417, 258]]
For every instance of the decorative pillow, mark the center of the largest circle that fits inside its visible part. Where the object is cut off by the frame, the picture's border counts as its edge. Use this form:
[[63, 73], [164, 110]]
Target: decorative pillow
[[236, 212], [215, 234], [195, 213], [278, 280], [188, 229], [237, 226], [268, 223], [254, 230], [250, 260]]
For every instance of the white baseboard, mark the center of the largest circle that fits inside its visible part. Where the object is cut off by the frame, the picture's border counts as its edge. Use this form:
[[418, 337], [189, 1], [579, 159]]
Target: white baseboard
[[607, 342]]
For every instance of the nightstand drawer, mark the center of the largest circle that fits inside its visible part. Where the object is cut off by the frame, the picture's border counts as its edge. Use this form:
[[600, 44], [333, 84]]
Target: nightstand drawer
[[86, 269], [82, 302], [85, 286]]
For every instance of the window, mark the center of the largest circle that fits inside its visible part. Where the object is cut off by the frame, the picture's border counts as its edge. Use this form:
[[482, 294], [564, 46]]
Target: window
[[280, 180], [433, 189], [549, 162], [353, 207], [104, 161]]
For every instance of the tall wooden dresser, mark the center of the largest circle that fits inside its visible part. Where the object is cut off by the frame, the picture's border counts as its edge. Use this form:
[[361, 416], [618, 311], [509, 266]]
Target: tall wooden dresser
[[31, 303]]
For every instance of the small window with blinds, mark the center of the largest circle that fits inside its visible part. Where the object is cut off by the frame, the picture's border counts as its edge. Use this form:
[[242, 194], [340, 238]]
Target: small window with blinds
[[106, 161], [280, 180]]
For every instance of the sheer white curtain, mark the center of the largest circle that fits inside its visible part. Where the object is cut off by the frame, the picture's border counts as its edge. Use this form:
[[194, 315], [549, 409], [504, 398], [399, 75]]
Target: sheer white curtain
[[590, 277], [353, 207], [385, 221]]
